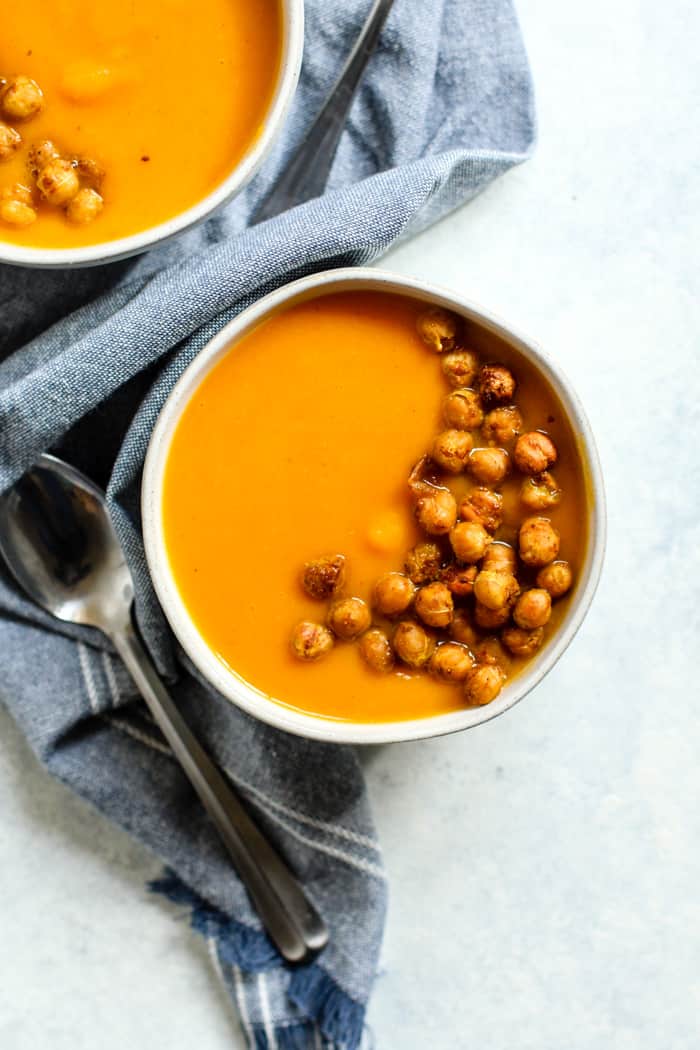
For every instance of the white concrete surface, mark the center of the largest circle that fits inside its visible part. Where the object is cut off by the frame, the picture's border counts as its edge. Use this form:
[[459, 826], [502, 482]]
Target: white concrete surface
[[544, 868]]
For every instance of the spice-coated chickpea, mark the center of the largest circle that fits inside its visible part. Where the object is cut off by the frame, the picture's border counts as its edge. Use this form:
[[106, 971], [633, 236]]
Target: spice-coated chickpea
[[451, 662], [434, 605], [494, 589], [462, 629], [436, 511], [462, 409], [484, 507], [490, 619], [540, 492], [538, 541], [534, 452], [533, 608], [500, 557], [322, 577], [459, 579], [41, 154], [460, 367], [348, 618], [483, 684], [423, 562], [555, 578], [438, 329], [392, 594], [501, 426], [496, 385], [451, 450], [488, 466], [90, 171], [522, 642], [310, 641], [491, 651], [10, 140], [58, 182], [469, 541], [85, 206], [375, 650], [16, 213], [412, 644], [21, 99]]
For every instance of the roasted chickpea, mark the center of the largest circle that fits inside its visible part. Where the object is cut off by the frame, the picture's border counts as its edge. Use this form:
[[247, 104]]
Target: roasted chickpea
[[10, 140], [488, 466], [501, 426], [460, 367], [469, 541], [423, 563], [555, 578], [462, 409], [491, 651], [495, 589], [451, 450], [58, 182], [323, 577], [538, 541], [412, 644], [533, 608], [438, 329], [490, 619], [484, 507], [22, 98], [500, 557], [85, 206], [540, 492], [483, 684], [392, 594], [375, 650], [462, 629], [436, 511], [451, 662], [91, 173], [348, 618], [459, 579], [434, 605], [496, 385], [522, 642], [41, 154], [311, 641], [16, 213], [534, 452]]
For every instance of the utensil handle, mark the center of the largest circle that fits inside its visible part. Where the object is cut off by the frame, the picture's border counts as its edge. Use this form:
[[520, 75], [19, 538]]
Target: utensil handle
[[306, 174], [288, 916]]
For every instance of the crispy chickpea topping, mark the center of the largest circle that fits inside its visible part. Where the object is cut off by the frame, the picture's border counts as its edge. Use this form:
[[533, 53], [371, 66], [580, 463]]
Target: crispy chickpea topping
[[85, 206], [22, 98], [534, 453], [90, 171], [522, 642], [501, 426], [375, 650], [392, 594], [17, 213], [459, 579], [41, 154], [496, 385], [10, 140], [451, 450], [540, 492], [484, 507], [555, 578], [462, 629], [538, 541], [348, 618], [533, 608], [462, 410], [423, 563], [482, 684], [438, 329], [460, 367], [451, 662], [495, 590], [412, 644], [488, 466], [323, 577], [436, 512], [490, 619], [500, 557], [434, 605], [310, 641], [469, 541], [58, 182], [491, 651]]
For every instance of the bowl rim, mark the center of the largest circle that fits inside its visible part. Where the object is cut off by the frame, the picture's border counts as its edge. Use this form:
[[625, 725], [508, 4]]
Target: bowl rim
[[224, 679], [134, 244]]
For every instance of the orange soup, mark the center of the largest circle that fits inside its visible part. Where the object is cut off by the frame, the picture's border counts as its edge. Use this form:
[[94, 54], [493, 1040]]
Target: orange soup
[[299, 443], [162, 98]]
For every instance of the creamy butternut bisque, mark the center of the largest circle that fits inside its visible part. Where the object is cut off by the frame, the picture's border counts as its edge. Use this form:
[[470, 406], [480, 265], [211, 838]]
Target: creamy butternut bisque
[[151, 104], [298, 504]]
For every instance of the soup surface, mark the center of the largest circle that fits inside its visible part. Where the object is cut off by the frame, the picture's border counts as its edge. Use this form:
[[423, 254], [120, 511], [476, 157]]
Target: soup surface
[[299, 443], [164, 95]]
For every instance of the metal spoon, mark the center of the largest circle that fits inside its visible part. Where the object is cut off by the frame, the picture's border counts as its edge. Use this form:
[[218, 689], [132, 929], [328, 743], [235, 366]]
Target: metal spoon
[[306, 174], [61, 547]]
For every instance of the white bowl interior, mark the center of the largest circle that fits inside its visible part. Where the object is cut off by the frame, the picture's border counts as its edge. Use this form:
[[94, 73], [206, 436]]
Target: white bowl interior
[[241, 692]]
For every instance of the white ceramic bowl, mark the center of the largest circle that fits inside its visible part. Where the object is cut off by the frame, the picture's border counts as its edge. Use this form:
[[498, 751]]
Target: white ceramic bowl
[[109, 251], [235, 688]]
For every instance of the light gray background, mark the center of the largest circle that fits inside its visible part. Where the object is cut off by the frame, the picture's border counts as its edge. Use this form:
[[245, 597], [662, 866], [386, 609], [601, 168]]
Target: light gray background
[[545, 867]]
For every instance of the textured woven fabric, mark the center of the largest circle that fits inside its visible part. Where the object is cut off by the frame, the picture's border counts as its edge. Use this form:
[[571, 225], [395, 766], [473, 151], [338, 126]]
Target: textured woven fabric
[[86, 361]]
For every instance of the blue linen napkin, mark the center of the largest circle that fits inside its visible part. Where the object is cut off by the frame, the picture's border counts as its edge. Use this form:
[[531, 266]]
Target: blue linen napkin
[[90, 356]]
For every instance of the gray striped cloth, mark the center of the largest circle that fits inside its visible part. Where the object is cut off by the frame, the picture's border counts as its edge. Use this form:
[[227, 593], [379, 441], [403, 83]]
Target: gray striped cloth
[[86, 361]]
